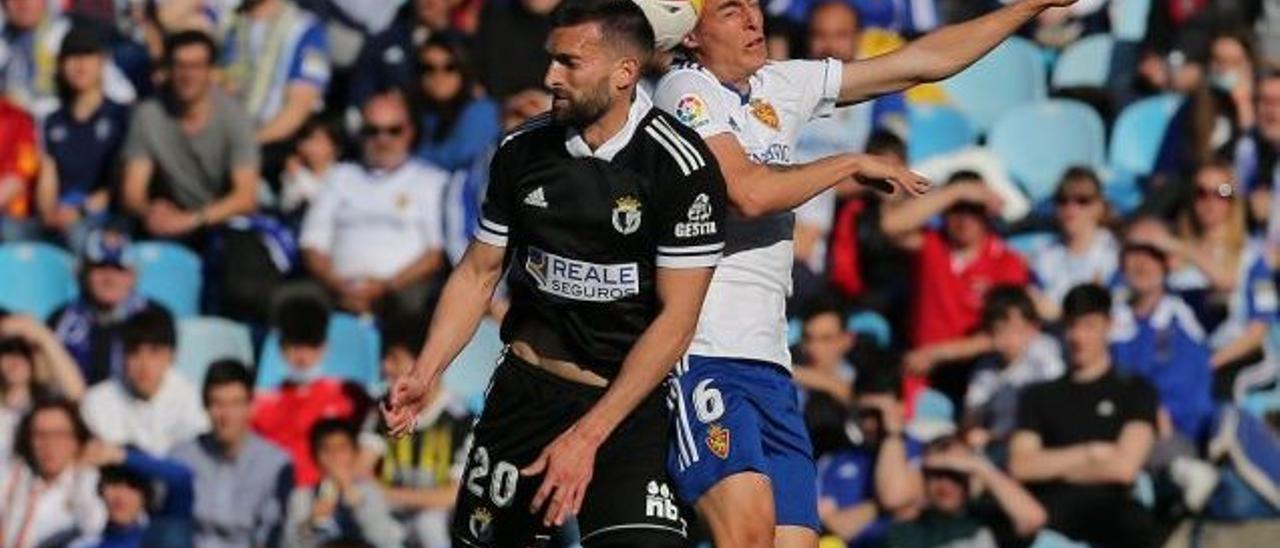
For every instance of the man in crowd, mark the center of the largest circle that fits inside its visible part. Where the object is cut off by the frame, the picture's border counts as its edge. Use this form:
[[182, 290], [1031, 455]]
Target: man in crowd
[[150, 406], [190, 161], [372, 237], [90, 325], [508, 46], [1082, 440], [241, 480]]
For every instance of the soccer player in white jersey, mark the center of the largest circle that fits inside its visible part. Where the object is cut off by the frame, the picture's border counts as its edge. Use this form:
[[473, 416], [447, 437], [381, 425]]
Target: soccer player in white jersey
[[740, 451]]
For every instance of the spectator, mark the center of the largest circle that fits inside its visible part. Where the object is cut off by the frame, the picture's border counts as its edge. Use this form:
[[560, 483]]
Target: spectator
[[1085, 252], [241, 480], [825, 345], [863, 487], [1258, 156], [509, 43], [50, 496], [89, 326], [138, 514], [150, 406], [968, 501], [33, 366], [953, 267], [343, 507], [1023, 354], [82, 141], [310, 168], [387, 58], [460, 121], [373, 237], [834, 32], [19, 163], [190, 158], [1225, 277], [277, 65], [863, 256], [32, 36], [285, 416], [1082, 440], [420, 473]]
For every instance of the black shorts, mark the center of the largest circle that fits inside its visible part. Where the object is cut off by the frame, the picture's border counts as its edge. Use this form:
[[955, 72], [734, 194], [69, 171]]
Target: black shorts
[[629, 500]]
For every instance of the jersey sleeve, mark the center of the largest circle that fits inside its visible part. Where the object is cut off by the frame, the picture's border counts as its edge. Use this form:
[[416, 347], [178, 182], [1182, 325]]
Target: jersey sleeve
[[310, 62], [818, 82], [691, 203], [1261, 302], [495, 211], [694, 100]]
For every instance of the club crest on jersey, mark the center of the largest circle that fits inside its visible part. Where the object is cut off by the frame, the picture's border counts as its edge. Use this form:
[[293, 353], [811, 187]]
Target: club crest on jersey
[[718, 441], [626, 215], [765, 112], [481, 525], [692, 111]]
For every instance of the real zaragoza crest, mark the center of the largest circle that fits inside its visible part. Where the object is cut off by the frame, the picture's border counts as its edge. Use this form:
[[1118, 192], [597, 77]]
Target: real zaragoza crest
[[765, 112]]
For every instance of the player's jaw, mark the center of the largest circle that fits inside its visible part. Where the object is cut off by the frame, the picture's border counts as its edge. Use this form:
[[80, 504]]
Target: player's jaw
[[579, 76]]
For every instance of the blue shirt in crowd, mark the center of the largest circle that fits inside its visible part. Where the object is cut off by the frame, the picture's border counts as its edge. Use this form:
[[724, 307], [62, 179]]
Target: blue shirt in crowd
[[847, 477], [85, 152]]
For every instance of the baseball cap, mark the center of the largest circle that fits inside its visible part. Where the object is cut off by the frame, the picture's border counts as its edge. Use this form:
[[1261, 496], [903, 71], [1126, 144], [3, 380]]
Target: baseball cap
[[83, 38], [933, 417], [106, 248]]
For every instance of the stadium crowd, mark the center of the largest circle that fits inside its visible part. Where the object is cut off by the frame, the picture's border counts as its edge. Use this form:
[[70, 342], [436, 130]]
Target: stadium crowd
[[224, 223]]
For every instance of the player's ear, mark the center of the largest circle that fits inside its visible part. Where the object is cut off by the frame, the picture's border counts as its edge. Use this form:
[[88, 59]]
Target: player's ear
[[690, 41], [627, 73]]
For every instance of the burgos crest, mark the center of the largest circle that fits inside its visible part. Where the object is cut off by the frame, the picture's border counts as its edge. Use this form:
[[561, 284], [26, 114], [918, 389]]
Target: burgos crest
[[481, 525], [626, 215]]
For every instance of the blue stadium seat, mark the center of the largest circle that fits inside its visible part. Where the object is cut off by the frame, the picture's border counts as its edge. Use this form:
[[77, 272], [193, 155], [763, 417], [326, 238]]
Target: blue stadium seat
[[871, 324], [1017, 66], [1048, 538], [204, 340], [352, 354], [1136, 136], [169, 274], [1129, 19], [35, 278], [1086, 63], [1038, 142], [936, 130], [468, 376]]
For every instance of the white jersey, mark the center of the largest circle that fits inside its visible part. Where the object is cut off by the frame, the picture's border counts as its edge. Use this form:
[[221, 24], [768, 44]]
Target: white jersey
[[744, 314]]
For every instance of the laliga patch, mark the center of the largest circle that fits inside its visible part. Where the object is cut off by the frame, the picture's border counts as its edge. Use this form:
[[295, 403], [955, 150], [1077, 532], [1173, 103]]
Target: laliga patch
[[1264, 296], [718, 441], [315, 65], [765, 112], [692, 111], [581, 280]]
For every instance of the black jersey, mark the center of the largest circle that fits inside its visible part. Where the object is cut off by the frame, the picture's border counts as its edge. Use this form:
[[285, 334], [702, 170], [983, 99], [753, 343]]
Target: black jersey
[[585, 232]]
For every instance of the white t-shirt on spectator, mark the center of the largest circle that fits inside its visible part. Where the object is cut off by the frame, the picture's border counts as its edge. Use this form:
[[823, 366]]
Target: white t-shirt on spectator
[[38, 511], [172, 416], [1057, 270], [374, 223]]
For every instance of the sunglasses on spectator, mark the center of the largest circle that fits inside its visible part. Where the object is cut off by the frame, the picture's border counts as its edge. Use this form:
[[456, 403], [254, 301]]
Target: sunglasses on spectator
[[370, 131], [1223, 191], [1076, 199], [429, 68]]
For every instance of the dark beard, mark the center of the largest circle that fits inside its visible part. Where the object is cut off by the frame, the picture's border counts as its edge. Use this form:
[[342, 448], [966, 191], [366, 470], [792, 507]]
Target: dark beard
[[585, 111]]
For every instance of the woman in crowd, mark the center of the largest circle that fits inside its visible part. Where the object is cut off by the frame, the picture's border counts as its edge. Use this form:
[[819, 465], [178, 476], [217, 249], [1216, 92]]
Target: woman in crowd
[[459, 122], [49, 496], [1224, 276], [33, 366], [1086, 251]]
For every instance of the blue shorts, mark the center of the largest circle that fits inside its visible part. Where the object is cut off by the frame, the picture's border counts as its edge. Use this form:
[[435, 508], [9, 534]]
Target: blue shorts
[[736, 415]]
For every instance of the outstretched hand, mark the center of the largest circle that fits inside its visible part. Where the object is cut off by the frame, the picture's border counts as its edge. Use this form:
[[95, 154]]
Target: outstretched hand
[[1057, 3], [889, 176], [404, 404], [567, 465]]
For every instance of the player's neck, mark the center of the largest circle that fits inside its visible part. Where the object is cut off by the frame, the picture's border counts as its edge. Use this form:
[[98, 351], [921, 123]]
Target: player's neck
[[727, 74], [599, 132]]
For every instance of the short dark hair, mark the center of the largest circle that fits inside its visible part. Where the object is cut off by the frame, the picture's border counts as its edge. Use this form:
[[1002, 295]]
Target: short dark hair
[[1078, 173], [882, 142], [403, 333], [1084, 300], [186, 38], [1003, 299], [151, 325], [620, 21], [303, 321], [22, 445], [822, 305], [329, 427], [967, 176], [118, 474], [224, 372], [879, 372]]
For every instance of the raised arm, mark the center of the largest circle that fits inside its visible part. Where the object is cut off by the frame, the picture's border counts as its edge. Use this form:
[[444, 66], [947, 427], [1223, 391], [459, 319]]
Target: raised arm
[[939, 54], [910, 216]]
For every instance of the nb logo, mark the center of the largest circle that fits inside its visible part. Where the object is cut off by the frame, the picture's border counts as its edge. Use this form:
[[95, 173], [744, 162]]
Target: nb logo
[[658, 503]]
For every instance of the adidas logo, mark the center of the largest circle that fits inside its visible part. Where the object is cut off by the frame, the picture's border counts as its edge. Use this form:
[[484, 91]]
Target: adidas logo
[[537, 198]]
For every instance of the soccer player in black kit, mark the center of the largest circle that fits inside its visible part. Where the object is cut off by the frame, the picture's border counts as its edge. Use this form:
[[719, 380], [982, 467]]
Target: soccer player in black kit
[[608, 217]]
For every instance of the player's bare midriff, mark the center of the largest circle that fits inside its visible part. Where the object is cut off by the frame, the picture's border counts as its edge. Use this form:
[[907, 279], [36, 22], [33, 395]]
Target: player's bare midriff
[[561, 368]]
